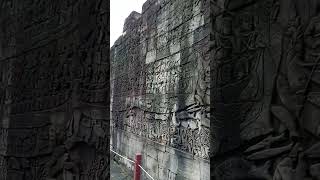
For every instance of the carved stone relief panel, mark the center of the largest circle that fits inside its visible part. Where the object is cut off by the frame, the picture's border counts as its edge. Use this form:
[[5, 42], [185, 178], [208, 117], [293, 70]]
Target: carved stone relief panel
[[54, 89], [265, 98]]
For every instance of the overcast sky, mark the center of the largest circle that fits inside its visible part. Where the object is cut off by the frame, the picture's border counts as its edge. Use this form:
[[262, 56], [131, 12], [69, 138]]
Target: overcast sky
[[119, 11]]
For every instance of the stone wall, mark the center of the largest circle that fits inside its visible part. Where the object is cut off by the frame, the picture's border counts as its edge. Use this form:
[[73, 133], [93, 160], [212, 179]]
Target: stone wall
[[160, 88], [54, 82], [265, 89]]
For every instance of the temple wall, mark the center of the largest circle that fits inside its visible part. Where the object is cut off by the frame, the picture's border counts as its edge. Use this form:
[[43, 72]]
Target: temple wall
[[160, 84]]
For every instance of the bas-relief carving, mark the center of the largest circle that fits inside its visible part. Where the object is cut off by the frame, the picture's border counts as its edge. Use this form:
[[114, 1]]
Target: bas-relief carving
[[275, 89], [161, 91], [54, 90], [149, 116]]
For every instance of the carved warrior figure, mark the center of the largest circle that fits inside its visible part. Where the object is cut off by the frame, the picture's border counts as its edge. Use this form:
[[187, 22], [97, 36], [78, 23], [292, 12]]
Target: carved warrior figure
[[290, 151]]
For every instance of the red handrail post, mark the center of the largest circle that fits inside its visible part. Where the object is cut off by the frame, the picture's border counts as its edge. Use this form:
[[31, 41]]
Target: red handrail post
[[137, 170]]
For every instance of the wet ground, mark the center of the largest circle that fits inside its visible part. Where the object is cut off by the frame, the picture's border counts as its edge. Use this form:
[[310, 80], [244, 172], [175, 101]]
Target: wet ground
[[120, 172]]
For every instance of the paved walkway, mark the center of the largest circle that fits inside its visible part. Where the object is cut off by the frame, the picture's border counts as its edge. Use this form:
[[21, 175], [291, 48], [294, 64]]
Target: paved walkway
[[119, 172]]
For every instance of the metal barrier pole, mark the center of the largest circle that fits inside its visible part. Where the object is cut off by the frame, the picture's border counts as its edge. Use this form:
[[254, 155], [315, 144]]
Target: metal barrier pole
[[137, 167], [137, 171]]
